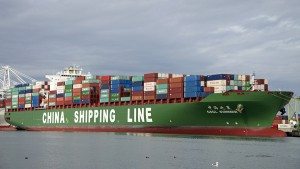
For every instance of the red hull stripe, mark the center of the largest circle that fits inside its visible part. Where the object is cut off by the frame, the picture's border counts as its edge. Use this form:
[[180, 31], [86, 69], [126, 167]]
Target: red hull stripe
[[251, 132]]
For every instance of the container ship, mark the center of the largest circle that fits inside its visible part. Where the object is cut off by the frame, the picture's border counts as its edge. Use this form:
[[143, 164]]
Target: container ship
[[219, 104]]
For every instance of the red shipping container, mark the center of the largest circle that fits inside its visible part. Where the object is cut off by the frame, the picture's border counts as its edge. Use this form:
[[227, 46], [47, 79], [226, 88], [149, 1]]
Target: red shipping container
[[80, 78], [134, 98], [21, 99], [68, 98], [176, 95], [52, 99], [77, 82], [77, 90], [60, 103], [105, 78], [69, 102], [149, 97], [176, 90], [176, 85], [151, 75], [90, 85], [162, 81], [150, 79], [59, 99], [176, 80], [150, 93], [76, 93], [137, 93], [209, 89], [105, 82]]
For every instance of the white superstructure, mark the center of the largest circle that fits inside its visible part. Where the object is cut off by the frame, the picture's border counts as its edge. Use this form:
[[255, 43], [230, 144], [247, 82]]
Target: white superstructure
[[68, 73]]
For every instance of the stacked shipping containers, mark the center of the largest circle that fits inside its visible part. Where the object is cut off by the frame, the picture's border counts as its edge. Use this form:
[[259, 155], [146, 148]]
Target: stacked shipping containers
[[192, 86], [77, 89], [137, 88], [90, 91], [149, 86], [260, 84], [226, 82], [104, 89], [120, 88], [176, 87], [68, 92]]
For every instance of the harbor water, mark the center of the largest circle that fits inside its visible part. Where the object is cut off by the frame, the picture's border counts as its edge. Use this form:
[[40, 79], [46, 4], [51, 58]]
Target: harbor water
[[77, 150]]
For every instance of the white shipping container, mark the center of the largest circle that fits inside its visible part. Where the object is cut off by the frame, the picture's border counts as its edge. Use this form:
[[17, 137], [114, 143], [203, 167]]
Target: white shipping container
[[235, 88], [52, 103], [27, 94], [177, 75], [15, 96], [244, 77], [220, 88], [147, 89], [58, 91], [60, 88], [213, 83], [53, 87], [27, 105], [231, 83], [150, 84], [219, 91], [240, 77], [77, 86], [163, 75]]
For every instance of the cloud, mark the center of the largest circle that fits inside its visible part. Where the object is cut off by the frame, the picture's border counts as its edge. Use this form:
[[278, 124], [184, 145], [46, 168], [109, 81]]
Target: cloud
[[233, 29]]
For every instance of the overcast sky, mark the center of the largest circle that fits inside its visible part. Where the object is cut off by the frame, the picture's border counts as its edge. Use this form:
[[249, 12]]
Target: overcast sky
[[134, 37]]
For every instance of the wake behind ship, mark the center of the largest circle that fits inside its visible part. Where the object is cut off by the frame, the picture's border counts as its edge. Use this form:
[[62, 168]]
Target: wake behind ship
[[222, 104]]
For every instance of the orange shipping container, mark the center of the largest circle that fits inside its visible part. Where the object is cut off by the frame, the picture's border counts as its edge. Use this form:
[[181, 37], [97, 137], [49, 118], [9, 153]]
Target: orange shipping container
[[149, 97], [162, 81], [176, 85], [176, 80]]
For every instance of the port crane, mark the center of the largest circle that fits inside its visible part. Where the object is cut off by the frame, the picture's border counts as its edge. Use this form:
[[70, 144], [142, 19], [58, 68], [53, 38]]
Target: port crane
[[10, 77]]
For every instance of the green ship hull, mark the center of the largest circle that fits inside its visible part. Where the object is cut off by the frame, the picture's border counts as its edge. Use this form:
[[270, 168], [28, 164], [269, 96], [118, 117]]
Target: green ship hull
[[231, 113]]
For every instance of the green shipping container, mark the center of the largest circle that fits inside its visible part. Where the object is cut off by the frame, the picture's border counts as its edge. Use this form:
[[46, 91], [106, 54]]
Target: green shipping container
[[104, 95], [161, 91], [125, 99], [68, 94], [137, 78], [69, 82], [35, 94], [162, 86], [104, 91], [90, 81], [69, 86], [104, 100], [114, 99], [68, 90]]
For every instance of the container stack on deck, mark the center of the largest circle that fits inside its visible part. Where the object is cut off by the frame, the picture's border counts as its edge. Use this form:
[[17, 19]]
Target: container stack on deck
[[176, 87], [137, 88], [112, 89], [69, 92], [150, 86], [260, 84], [104, 89]]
